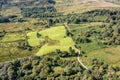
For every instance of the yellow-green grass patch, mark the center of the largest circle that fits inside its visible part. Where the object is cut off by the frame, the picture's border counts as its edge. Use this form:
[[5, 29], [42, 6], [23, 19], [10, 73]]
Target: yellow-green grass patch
[[53, 38], [64, 45], [54, 33], [12, 37], [33, 39]]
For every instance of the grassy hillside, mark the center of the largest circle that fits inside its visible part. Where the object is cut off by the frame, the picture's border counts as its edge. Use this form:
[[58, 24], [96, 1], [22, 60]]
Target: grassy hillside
[[75, 6], [63, 6]]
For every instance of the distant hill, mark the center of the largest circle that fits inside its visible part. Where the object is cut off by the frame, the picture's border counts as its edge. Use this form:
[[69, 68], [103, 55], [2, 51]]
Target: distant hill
[[70, 6], [9, 7], [64, 6], [22, 3], [114, 1]]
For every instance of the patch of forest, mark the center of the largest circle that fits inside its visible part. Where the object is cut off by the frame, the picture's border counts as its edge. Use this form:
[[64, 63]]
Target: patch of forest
[[43, 12], [56, 68]]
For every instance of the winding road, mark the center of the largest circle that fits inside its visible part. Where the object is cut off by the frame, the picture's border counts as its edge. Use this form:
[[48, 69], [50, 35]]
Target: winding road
[[78, 58]]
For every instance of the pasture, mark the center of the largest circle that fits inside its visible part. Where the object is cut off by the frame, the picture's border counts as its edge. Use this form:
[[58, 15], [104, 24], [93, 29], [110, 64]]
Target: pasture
[[50, 39]]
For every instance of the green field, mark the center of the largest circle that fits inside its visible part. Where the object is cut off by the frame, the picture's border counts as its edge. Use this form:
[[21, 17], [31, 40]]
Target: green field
[[50, 39]]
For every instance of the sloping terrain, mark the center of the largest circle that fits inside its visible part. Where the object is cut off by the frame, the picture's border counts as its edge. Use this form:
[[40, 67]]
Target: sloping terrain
[[10, 7], [70, 6], [114, 1], [65, 6]]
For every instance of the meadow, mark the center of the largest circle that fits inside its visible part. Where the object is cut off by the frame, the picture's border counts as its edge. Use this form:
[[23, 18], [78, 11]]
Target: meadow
[[51, 39]]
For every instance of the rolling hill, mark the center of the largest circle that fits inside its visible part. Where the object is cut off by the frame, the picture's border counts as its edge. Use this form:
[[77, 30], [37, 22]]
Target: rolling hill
[[64, 6], [70, 6], [114, 1]]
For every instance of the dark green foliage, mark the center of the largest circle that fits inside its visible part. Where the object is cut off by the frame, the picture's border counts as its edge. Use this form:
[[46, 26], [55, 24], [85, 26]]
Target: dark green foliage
[[92, 16], [4, 19], [11, 18], [43, 68], [110, 34], [63, 54], [24, 45], [43, 12], [2, 34], [83, 40], [114, 1]]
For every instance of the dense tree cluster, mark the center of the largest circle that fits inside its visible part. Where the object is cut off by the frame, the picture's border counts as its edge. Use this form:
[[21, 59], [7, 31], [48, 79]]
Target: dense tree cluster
[[35, 12], [4, 19], [56, 68], [98, 15], [110, 34], [11, 18], [71, 53], [94, 16]]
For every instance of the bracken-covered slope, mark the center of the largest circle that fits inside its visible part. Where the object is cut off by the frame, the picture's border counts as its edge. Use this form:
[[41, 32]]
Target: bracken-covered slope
[[65, 6], [24, 3], [114, 1], [13, 7], [70, 6]]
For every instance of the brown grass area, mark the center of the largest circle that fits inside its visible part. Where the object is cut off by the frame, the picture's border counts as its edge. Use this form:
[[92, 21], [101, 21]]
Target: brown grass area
[[82, 5], [58, 69], [15, 27], [11, 11]]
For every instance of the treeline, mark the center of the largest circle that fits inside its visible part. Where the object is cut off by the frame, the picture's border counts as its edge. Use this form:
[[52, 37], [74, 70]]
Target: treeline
[[11, 18], [37, 12], [98, 15], [4, 19], [56, 68], [114, 1]]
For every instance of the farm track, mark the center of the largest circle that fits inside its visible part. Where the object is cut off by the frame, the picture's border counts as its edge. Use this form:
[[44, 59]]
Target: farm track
[[78, 58], [68, 29]]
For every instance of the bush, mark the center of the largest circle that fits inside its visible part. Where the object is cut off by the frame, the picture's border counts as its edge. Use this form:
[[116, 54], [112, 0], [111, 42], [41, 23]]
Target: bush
[[4, 20]]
